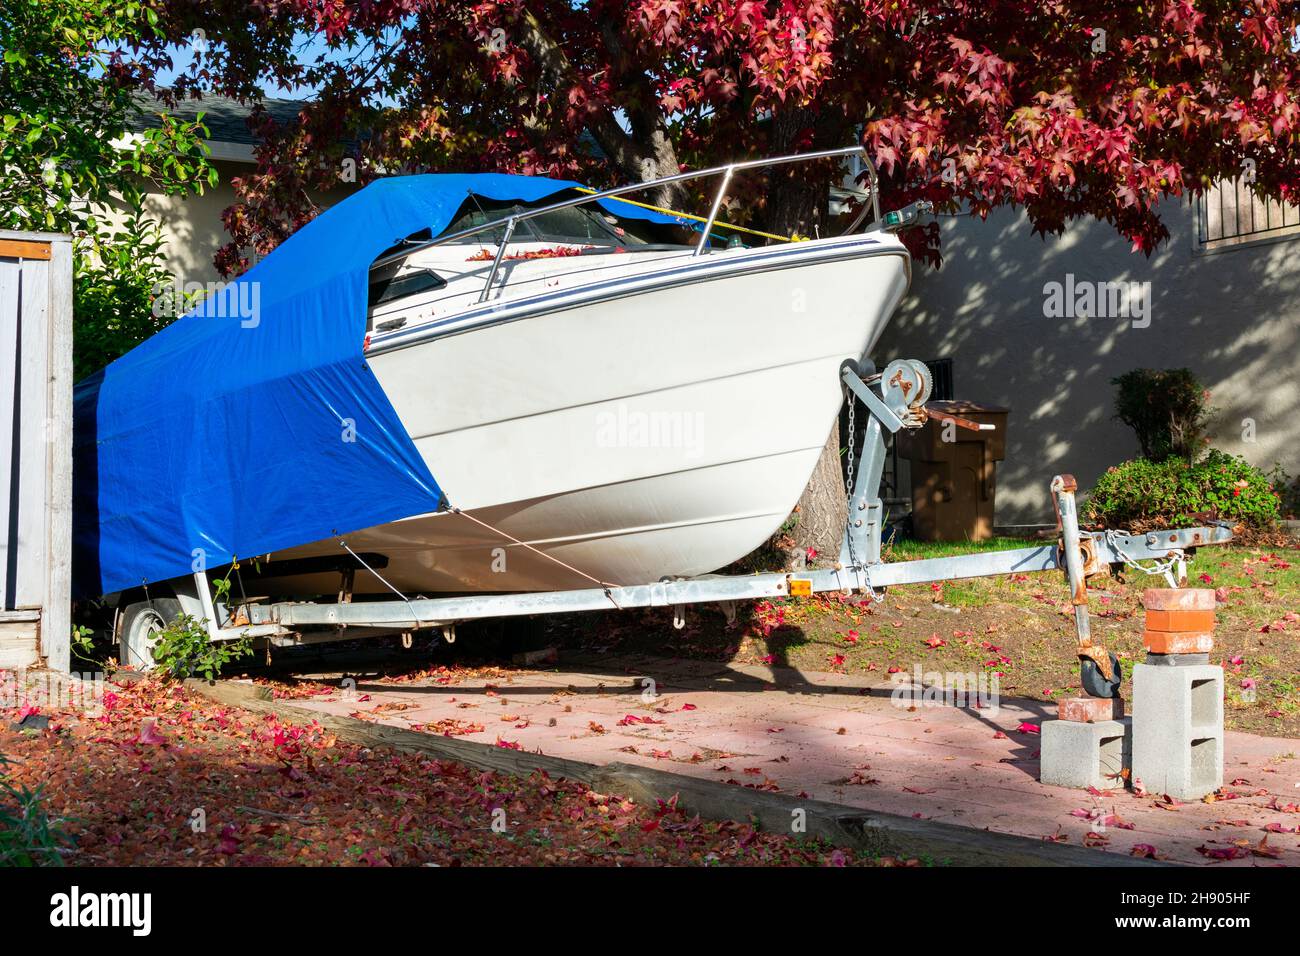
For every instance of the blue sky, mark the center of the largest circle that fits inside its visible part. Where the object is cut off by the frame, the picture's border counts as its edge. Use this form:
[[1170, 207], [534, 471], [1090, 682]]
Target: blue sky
[[309, 48]]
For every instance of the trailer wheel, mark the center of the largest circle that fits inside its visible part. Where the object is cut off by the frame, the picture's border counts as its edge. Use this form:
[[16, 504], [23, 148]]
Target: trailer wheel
[[1096, 685], [141, 624]]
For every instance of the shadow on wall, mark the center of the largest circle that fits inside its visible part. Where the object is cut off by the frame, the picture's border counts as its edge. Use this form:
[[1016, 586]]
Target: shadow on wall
[[1232, 317]]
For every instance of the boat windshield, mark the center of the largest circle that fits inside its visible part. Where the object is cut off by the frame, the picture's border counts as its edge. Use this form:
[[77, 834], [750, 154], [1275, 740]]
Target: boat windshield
[[580, 225]]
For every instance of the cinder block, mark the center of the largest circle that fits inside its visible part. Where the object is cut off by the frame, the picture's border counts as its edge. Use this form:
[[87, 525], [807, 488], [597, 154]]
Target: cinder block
[[1178, 599], [1179, 620], [1089, 710], [1168, 642], [1077, 754], [1178, 729]]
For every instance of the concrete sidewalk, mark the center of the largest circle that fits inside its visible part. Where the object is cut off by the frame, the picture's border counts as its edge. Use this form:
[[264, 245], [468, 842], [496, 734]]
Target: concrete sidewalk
[[837, 738]]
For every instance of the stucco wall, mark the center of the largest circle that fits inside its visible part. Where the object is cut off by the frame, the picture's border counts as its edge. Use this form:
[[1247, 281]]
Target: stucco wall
[[192, 229], [1233, 317]]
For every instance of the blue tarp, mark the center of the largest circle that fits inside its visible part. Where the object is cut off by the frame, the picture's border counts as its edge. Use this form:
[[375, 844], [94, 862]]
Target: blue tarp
[[253, 423]]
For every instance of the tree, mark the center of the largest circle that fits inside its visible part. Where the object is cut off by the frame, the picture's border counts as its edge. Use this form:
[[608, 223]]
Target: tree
[[1168, 409], [1063, 108], [70, 162]]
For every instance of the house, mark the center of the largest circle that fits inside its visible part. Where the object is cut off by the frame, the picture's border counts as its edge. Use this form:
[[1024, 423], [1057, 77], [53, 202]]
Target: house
[[191, 225], [1043, 325]]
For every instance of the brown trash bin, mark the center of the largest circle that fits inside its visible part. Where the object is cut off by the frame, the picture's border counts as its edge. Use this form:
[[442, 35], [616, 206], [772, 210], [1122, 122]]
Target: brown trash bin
[[953, 481]]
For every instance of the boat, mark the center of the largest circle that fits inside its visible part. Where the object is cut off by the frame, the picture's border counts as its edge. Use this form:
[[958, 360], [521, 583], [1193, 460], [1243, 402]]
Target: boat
[[599, 404], [615, 410]]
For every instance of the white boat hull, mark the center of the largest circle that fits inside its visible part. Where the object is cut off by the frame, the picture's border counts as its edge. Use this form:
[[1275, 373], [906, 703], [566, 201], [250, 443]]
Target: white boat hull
[[662, 432]]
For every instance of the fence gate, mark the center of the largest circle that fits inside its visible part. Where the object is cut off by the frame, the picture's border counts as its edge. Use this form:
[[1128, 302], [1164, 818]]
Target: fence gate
[[35, 448]]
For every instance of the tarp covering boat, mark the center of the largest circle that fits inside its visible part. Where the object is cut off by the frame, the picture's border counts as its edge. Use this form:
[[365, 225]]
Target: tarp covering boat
[[253, 423]]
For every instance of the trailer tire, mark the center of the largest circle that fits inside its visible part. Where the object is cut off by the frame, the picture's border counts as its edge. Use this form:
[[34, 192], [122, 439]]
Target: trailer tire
[[141, 623], [1096, 685]]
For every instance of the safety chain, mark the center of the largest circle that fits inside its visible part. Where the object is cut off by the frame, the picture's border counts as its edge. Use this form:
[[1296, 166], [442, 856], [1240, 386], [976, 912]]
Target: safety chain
[[1159, 566], [853, 439], [853, 408]]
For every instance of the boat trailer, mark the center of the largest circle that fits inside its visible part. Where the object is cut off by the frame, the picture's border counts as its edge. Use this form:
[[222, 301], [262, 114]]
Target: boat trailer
[[894, 399]]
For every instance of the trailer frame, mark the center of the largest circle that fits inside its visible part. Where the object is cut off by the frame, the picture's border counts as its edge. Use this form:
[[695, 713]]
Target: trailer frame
[[894, 399]]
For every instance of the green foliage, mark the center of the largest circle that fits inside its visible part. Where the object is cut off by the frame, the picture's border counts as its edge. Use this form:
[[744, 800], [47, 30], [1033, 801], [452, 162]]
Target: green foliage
[[119, 276], [184, 650], [28, 836], [64, 144], [82, 643], [1167, 409], [1142, 494], [1288, 490], [72, 164]]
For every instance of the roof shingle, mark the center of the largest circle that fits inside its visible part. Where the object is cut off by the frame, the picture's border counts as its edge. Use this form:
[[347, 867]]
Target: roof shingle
[[225, 118]]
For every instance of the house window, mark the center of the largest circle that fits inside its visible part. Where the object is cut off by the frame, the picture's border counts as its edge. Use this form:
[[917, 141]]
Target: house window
[[1229, 214]]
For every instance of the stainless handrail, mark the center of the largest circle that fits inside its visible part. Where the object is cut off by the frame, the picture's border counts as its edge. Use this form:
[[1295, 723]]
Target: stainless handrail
[[701, 247]]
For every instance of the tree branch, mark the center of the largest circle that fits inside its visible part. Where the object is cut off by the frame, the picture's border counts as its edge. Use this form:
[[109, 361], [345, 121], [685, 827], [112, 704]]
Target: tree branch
[[647, 151]]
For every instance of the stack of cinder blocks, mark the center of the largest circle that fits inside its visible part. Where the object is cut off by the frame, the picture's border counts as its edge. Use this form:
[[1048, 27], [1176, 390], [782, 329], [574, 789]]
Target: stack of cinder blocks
[[1173, 742], [1178, 697]]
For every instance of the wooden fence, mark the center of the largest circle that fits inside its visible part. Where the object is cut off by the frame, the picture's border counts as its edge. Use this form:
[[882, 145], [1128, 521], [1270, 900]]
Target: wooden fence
[[35, 448]]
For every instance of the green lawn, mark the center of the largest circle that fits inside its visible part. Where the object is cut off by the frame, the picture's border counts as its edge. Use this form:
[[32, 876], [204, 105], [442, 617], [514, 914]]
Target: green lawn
[[1019, 627]]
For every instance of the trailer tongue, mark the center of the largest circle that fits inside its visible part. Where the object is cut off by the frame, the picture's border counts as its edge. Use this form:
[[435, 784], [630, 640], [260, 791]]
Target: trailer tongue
[[894, 399]]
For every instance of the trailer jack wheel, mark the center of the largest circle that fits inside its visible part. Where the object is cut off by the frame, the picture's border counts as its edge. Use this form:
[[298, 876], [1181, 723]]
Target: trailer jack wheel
[[1095, 683]]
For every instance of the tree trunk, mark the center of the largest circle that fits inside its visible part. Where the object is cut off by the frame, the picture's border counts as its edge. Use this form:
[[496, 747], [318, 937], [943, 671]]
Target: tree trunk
[[798, 194], [798, 203], [823, 509]]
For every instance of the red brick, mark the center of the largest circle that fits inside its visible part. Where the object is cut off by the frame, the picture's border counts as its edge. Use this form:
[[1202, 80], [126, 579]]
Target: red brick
[[1166, 642], [1178, 620], [1178, 599], [1089, 710]]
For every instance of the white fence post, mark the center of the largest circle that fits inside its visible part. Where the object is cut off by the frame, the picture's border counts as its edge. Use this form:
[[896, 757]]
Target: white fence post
[[35, 448]]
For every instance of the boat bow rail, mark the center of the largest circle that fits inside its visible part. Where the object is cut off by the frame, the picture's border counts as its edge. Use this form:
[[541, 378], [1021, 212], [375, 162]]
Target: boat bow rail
[[894, 399], [509, 223]]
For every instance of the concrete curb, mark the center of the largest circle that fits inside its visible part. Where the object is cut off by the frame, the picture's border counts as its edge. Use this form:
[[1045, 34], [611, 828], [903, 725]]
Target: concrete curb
[[880, 834]]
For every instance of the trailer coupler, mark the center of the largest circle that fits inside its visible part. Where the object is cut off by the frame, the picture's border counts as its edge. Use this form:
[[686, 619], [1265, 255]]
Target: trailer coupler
[[1162, 553]]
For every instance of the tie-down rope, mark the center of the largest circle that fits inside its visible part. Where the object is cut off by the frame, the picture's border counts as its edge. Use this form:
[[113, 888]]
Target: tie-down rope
[[605, 585]]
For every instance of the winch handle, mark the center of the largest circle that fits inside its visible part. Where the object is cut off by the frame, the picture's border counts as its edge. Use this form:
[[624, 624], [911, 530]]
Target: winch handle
[[959, 421]]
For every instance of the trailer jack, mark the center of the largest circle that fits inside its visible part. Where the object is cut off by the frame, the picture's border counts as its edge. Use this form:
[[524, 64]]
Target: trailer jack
[[1098, 670]]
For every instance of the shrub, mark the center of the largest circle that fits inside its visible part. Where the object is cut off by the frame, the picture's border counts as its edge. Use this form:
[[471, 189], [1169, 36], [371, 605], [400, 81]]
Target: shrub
[[116, 277], [185, 650], [28, 837], [1167, 409], [1288, 490], [1142, 494]]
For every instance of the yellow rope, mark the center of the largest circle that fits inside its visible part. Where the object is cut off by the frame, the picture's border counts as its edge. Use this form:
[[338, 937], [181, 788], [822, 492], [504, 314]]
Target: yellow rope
[[687, 215]]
